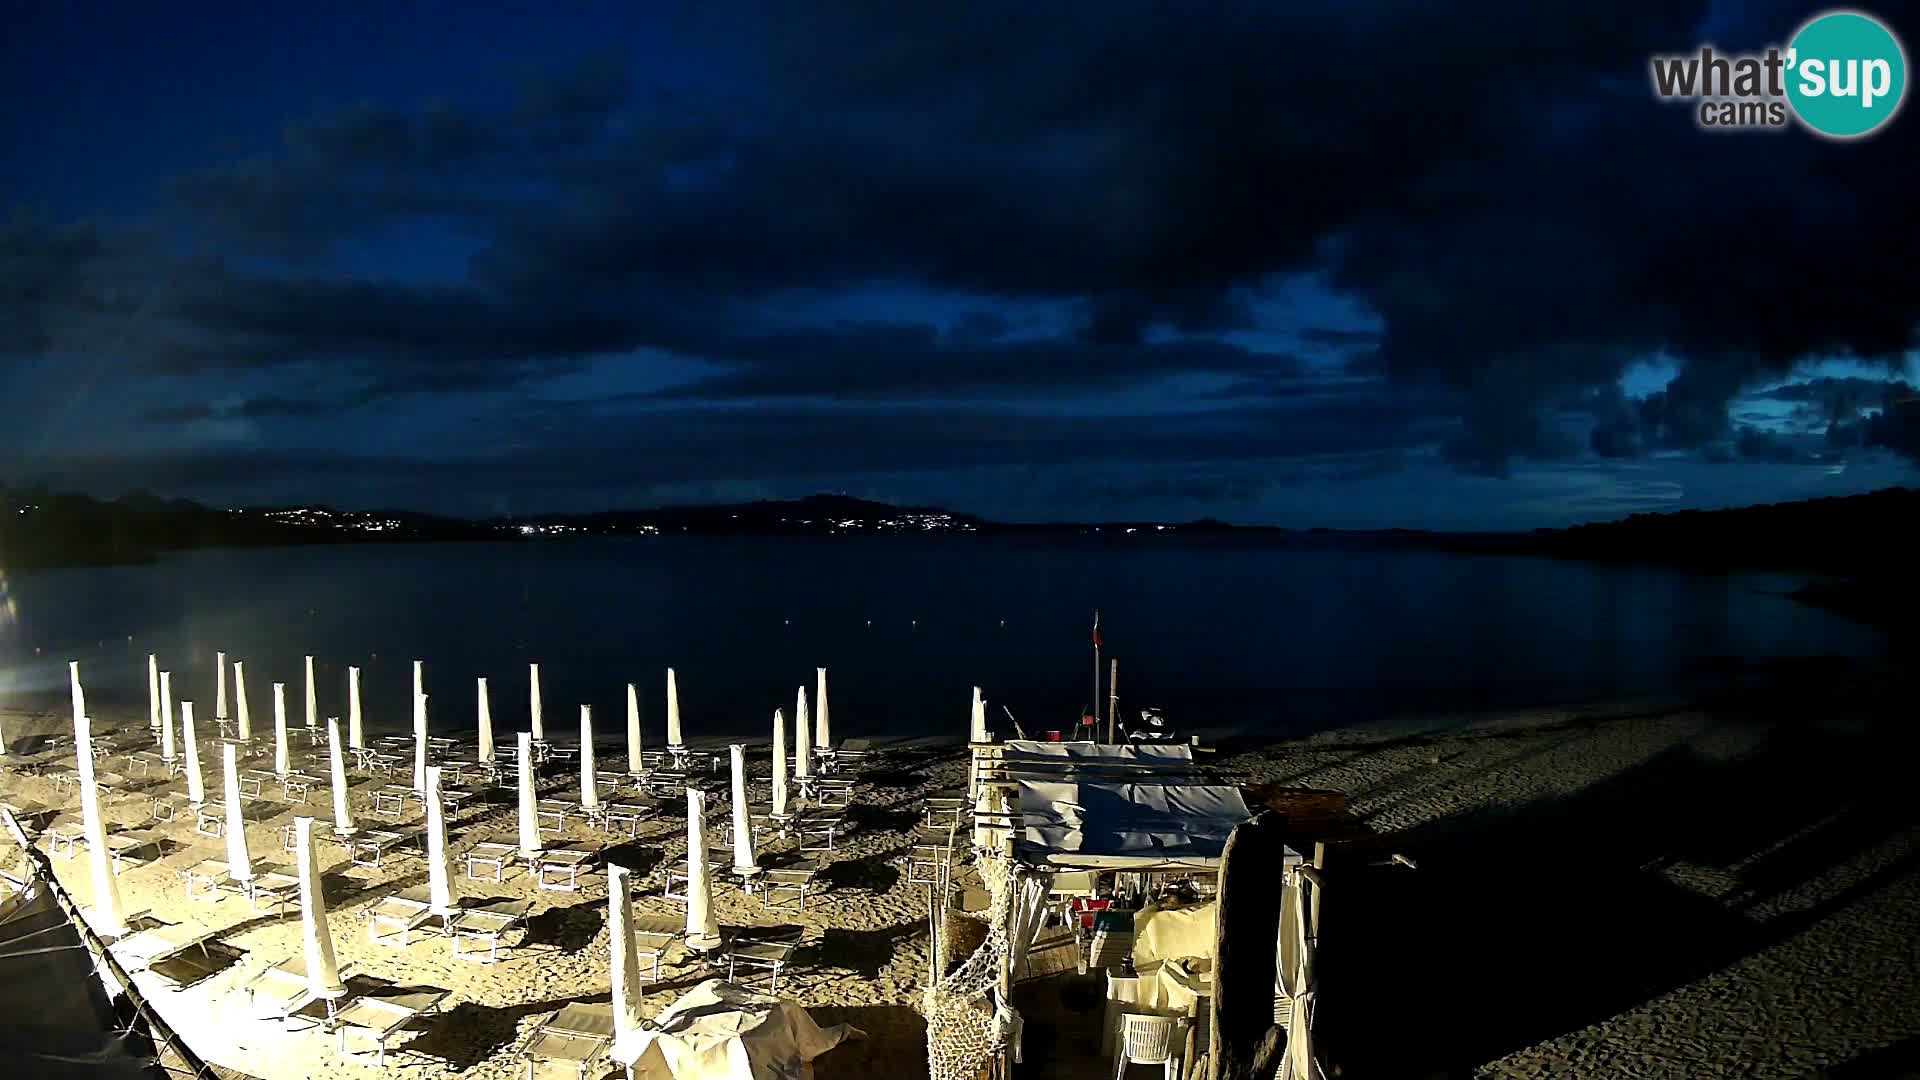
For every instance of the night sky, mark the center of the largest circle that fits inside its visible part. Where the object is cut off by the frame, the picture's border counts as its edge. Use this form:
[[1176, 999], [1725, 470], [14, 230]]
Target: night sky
[[1353, 265]]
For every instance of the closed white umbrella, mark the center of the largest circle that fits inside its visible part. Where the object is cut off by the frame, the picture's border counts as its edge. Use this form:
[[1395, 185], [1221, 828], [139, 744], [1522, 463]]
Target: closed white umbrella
[[822, 727], [779, 766], [323, 973], [242, 717], [635, 759], [313, 702], [703, 927], [280, 729], [108, 916], [626, 961], [153, 691], [219, 686], [533, 704], [79, 696], [419, 677], [977, 727], [802, 739], [3, 738], [486, 723], [589, 790], [342, 810], [673, 711], [529, 807], [420, 743], [167, 743], [196, 780], [744, 862], [356, 736], [439, 865], [239, 862]]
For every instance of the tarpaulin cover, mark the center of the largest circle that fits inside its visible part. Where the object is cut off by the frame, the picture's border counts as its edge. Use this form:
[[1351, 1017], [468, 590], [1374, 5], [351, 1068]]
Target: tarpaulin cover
[[57, 1019], [1126, 826], [721, 1031]]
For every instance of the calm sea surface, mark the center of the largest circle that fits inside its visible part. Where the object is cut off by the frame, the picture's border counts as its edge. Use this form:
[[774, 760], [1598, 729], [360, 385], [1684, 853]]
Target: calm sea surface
[[1220, 632]]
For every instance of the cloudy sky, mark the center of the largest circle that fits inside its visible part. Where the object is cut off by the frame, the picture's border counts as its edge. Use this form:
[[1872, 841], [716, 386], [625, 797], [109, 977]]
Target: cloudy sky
[[1350, 265]]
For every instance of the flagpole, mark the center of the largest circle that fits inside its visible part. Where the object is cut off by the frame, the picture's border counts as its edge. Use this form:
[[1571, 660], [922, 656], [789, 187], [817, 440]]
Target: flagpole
[[1095, 706]]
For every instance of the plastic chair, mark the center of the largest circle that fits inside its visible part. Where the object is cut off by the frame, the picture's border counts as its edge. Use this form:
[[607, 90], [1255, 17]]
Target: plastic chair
[[1148, 1040]]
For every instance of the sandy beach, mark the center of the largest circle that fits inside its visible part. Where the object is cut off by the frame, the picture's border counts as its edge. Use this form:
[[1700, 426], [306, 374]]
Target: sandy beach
[[1728, 887]]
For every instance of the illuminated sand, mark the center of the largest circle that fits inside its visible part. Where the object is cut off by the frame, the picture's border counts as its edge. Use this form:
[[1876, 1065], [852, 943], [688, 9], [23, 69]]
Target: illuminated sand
[[1776, 855]]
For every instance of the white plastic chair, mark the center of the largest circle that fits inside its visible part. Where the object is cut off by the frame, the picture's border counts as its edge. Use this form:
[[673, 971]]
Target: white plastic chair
[[1148, 1040]]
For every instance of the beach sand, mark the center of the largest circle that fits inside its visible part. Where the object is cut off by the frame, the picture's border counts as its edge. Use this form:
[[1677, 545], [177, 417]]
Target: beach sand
[[1641, 889]]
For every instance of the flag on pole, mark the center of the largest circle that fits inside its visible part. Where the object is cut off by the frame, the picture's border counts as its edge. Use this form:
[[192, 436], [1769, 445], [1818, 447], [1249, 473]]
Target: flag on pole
[[1096, 628]]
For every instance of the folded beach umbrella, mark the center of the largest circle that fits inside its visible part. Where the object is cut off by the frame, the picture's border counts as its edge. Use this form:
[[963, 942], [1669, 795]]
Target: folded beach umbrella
[[439, 864], [419, 677], [635, 759], [533, 704], [673, 711], [703, 927], [167, 744], [822, 727], [239, 862], [241, 716], [313, 702], [356, 734], [79, 696], [744, 862], [589, 790], [196, 780], [529, 806], [779, 766], [486, 722], [107, 916], [280, 729], [420, 743], [323, 973], [342, 810], [802, 739], [219, 686], [153, 692], [626, 959]]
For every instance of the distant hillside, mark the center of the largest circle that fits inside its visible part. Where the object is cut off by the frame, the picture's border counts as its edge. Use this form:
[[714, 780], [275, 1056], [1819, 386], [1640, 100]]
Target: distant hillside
[[813, 514]]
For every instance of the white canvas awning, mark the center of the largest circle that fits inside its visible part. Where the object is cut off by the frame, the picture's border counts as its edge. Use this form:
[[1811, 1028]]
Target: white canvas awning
[[1148, 755], [1119, 825]]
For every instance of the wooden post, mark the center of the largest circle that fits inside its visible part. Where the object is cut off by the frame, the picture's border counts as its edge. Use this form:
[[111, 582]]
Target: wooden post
[[1113, 697]]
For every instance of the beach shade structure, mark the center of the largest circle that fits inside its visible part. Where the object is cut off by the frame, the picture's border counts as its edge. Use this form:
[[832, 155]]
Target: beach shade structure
[[107, 917], [196, 780], [485, 721], [589, 790], [420, 743], [239, 862], [313, 702], [534, 721], [744, 862], [342, 810], [153, 692], [721, 1030], [242, 718], [323, 972], [822, 727], [219, 686], [636, 760], [356, 735], [279, 729], [780, 812], [168, 747], [673, 712], [703, 927], [441, 900], [529, 803], [626, 958], [802, 740]]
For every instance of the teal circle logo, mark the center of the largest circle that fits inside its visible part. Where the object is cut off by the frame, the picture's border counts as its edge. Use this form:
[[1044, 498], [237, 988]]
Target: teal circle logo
[[1846, 74]]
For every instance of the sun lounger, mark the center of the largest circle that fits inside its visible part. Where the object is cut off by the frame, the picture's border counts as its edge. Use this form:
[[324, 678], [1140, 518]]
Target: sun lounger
[[768, 956], [560, 868], [369, 846], [556, 809], [653, 935], [65, 833], [398, 915], [126, 848], [832, 792], [383, 1012], [574, 1042], [210, 820], [146, 762], [166, 805], [488, 923], [787, 884], [817, 832], [628, 813], [272, 886], [297, 785], [391, 800], [490, 853], [281, 990], [32, 816], [852, 754], [943, 811], [142, 949], [677, 876]]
